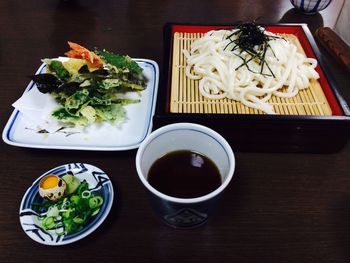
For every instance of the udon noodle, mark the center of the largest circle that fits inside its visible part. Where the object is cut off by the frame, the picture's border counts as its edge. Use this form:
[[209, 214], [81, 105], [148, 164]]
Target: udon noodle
[[223, 72]]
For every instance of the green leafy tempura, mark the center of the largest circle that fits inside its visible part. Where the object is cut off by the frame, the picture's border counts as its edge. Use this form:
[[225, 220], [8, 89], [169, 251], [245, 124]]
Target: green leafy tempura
[[119, 61], [87, 94]]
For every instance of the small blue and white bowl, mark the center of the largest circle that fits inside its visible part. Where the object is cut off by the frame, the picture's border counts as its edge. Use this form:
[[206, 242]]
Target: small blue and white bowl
[[310, 6], [98, 182]]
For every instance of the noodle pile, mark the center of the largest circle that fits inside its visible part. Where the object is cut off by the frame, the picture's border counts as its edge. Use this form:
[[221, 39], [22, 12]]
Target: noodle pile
[[225, 71]]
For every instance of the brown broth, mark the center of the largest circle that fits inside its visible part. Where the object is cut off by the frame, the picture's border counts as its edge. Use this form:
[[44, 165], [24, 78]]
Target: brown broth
[[184, 174]]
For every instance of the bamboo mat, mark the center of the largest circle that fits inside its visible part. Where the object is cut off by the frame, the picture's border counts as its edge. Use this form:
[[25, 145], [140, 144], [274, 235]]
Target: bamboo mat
[[186, 98]]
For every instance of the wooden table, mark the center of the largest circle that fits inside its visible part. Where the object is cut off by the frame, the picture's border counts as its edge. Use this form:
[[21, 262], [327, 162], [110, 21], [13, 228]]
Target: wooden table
[[279, 207]]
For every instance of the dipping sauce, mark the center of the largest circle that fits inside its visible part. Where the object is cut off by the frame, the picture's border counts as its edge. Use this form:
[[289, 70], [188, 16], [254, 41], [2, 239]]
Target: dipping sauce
[[184, 174]]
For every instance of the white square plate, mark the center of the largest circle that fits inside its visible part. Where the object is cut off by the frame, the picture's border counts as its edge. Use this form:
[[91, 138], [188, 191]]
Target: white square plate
[[128, 135]]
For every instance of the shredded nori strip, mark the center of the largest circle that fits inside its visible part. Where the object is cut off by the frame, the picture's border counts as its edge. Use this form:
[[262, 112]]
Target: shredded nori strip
[[252, 39]]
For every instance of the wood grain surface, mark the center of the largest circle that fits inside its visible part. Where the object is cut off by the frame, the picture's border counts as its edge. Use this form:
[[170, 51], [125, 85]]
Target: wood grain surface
[[279, 207]]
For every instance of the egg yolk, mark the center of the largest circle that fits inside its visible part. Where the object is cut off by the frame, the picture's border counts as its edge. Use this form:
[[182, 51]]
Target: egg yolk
[[49, 182]]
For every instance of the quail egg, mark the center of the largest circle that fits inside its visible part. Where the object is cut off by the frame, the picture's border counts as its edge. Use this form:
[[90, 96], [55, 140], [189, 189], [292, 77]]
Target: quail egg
[[52, 187]]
